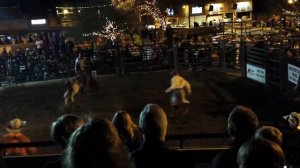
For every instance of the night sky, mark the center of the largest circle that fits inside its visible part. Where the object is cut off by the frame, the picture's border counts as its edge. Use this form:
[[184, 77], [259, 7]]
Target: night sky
[[39, 7]]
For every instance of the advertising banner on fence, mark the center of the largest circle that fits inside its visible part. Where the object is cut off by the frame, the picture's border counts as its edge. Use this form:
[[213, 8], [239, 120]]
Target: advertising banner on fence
[[256, 73], [293, 73]]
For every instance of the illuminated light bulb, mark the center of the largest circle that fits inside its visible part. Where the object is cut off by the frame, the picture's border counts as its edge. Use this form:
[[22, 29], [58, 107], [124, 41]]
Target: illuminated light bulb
[[65, 11]]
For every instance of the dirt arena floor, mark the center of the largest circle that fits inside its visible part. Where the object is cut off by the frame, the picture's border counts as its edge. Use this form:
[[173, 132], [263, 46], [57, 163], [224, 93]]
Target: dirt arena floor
[[214, 94]]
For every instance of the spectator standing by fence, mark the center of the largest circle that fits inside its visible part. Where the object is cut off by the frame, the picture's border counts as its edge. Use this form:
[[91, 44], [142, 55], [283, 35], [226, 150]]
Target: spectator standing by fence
[[14, 135]]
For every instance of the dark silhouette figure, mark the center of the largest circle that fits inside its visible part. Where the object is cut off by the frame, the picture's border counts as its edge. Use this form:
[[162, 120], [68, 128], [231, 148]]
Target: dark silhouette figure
[[242, 124], [270, 133], [128, 131], [260, 153], [96, 145], [169, 34], [63, 127], [61, 131], [153, 151]]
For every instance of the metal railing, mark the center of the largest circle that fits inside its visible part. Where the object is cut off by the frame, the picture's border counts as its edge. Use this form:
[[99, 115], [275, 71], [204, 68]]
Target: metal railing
[[290, 146]]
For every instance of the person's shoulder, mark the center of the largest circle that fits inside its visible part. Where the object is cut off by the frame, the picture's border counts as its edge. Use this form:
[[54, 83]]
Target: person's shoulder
[[225, 158]]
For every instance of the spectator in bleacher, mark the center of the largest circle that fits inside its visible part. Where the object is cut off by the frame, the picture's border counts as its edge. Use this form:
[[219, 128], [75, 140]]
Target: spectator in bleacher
[[127, 129], [270, 133], [179, 90], [30, 39], [54, 41], [262, 153], [39, 44], [69, 46], [14, 135], [61, 131], [80, 64], [96, 145], [61, 42], [137, 39], [4, 52], [152, 34], [289, 53], [145, 33], [153, 152], [242, 124]]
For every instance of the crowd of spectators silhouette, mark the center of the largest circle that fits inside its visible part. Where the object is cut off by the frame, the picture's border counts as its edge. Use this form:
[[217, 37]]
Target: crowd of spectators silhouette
[[52, 55], [46, 58], [121, 143]]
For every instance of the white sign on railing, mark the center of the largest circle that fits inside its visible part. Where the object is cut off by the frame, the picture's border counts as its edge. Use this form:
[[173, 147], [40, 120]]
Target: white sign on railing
[[256, 73], [293, 73], [38, 21]]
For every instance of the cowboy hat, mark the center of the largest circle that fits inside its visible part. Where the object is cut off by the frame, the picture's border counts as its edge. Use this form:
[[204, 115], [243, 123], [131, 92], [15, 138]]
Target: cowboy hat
[[293, 119], [15, 125]]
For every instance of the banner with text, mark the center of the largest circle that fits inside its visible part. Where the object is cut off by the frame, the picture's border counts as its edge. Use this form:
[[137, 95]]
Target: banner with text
[[293, 73], [256, 73]]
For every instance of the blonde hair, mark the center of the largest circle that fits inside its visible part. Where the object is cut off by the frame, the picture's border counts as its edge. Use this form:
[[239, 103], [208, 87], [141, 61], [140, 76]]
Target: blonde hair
[[125, 126]]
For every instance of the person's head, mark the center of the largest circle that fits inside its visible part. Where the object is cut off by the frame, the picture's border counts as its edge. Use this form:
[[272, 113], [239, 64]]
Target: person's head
[[153, 123], [96, 144], [63, 127], [125, 126], [289, 53], [15, 125], [270, 133], [260, 153], [242, 123]]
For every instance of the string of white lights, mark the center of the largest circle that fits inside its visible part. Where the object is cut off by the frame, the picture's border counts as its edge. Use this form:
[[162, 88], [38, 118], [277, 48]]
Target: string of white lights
[[109, 31], [150, 8]]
